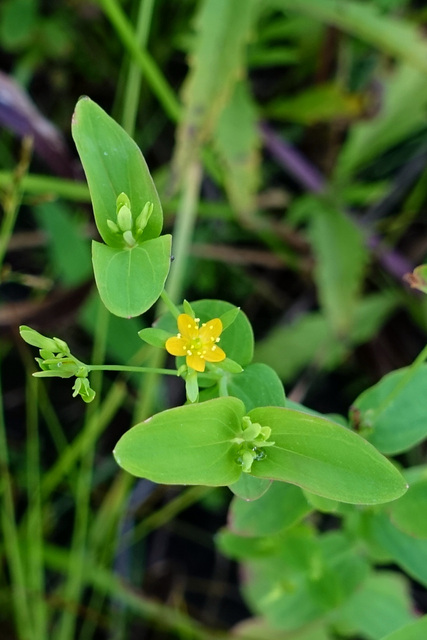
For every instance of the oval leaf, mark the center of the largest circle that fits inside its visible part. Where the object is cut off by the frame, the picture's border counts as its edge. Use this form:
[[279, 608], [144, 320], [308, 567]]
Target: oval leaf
[[130, 281], [392, 411], [186, 445], [113, 164], [325, 458]]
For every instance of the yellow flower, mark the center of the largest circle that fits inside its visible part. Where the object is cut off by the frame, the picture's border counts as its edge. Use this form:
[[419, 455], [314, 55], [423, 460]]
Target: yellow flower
[[197, 344]]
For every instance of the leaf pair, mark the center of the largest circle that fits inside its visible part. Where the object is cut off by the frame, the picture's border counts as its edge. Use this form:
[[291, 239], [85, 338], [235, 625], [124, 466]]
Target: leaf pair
[[129, 278]]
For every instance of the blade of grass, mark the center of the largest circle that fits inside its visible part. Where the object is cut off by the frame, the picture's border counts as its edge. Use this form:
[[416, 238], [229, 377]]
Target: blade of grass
[[35, 184]]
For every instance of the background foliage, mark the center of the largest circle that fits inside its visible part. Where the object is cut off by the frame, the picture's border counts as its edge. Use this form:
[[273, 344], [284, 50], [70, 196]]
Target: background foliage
[[309, 118]]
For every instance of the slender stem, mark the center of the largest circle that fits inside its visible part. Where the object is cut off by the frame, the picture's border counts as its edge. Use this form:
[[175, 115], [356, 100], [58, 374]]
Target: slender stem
[[133, 84], [155, 78], [47, 185], [169, 304], [119, 367], [18, 588], [12, 200], [34, 524], [183, 230]]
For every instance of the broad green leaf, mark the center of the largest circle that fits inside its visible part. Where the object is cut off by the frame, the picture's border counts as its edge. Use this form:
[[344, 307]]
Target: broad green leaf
[[310, 339], [408, 552], [341, 257], [187, 445], [325, 458], [257, 386], [130, 281], [237, 141], [390, 414], [304, 581], [379, 606], [223, 29], [414, 631], [258, 629], [278, 509], [237, 339], [409, 513], [113, 165], [394, 36], [249, 488], [247, 547]]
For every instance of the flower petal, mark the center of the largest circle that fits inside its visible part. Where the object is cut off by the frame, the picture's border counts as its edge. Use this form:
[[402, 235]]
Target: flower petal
[[214, 354], [196, 362], [187, 326], [176, 346], [209, 330]]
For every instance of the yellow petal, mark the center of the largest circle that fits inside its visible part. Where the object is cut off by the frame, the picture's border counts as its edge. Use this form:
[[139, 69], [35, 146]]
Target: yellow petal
[[187, 326], [176, 346], [196, 362], [216, 354], [210, 329]]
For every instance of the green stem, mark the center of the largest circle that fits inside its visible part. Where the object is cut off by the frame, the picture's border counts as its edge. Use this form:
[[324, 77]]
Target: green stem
[[34, 524], [48, 186], [119, 367], [12, 199], [133, 84], [183, 229], [18, 588], [153, 74], [169, 304]]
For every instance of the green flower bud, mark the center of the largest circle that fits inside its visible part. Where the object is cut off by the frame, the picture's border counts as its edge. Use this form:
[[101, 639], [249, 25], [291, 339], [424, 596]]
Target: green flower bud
[[129, 239], [144, 216], [113, 227], [122, 201], [124, 219]]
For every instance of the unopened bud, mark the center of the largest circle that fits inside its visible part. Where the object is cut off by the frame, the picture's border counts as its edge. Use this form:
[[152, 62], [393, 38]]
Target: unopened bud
[[122, 201], [124, 219], [113, 227], [144, 216]]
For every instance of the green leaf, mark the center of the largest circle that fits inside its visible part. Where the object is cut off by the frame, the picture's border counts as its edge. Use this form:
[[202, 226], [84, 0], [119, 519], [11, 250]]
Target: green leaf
[[113, 165], [325, 458], [278, 509], [409, 513], [379, 606], [130, 281], [257, 386], [390, 413], [341, 257], [408, 552], [413, 631], [155, 337], [187, 445], [250, 488]]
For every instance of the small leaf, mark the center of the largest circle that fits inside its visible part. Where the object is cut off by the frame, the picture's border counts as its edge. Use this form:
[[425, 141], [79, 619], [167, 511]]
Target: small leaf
[[409, 514], [187, 445], [325, 458], [250, 488], [257, 386], [130, 281], [155, 337]]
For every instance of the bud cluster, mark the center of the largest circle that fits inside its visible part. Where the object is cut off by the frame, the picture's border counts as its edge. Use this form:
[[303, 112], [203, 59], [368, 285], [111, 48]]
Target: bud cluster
[[126, 226], [252, 439]]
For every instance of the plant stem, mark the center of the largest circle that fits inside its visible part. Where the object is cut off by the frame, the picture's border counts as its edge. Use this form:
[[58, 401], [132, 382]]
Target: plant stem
[[169, 304], [183, 229], [155, 78], [119, 367], [11, 540], [12, 199], [133, 84]]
